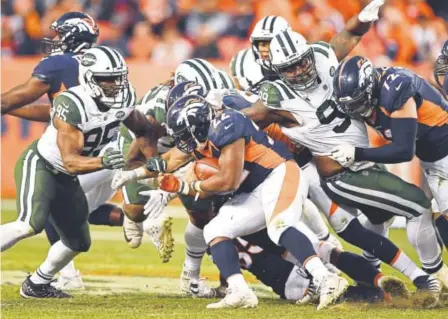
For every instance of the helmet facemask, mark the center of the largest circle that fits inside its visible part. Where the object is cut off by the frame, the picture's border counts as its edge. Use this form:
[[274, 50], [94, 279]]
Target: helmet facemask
[[300, 72], [259, 59], [362, 102], [72, 35], [110, 88], [441, 69]]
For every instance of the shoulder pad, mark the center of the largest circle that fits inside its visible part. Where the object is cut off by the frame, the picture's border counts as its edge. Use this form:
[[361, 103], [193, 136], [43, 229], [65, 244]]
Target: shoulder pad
[[274, 93], [227, 127], [46, 69], [322, 47], [70, 108], [397, 87]]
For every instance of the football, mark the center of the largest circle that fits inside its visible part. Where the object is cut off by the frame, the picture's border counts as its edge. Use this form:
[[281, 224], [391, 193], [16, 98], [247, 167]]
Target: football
[[206, 168]]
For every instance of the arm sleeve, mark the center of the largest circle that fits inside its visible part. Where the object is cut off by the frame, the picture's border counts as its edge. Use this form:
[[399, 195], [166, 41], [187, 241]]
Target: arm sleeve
[[402, 148]]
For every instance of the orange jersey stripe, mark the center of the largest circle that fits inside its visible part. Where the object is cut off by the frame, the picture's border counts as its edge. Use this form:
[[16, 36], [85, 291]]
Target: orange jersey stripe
[[431, 114], [288, 188], [275, 132], [262, 155]]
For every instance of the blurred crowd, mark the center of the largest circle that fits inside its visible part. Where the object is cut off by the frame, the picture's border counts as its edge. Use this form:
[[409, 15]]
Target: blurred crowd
[[169, 31]]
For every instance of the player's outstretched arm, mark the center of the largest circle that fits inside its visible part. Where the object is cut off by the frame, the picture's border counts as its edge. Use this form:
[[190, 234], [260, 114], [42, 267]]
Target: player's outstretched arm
[[355, 28], [33, 112], [70, 142], [23, 94], [146, 135], [403, 125]]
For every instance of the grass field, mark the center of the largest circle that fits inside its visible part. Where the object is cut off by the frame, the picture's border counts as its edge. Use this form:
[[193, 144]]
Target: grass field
[[126, 283]]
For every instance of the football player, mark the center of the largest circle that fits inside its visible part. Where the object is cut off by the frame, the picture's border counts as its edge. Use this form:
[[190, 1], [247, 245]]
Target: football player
[[56, 72], [201, 212], [271, 265], [250, 67], [304, 96], [84, 120], [408, 111], [441, 69], [255, 205]]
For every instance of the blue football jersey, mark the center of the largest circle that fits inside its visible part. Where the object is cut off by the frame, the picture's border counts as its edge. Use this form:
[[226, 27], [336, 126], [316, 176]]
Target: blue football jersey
[[260, 256], [262, 154], [61, 72], [397, 85]]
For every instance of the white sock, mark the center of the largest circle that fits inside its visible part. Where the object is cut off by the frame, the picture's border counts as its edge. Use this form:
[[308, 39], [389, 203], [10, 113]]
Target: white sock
[[195, 246], [69, 270], [422, 235], [58, 256], [405, 265], [316, 268], [313, 219], [237, 280], [13, 232]]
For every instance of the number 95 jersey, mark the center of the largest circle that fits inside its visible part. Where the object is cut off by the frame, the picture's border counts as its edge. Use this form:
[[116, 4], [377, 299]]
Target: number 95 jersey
[[321, 124], [77, 108]]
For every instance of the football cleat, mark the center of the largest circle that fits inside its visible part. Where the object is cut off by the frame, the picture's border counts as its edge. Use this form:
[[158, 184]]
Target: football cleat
[[186, 276], [133, 232], [69, 283], [428, 291], [236, 297], [199, 289], [393, 287], [442, 276], [36, 291], [161, 234], [330, 289]]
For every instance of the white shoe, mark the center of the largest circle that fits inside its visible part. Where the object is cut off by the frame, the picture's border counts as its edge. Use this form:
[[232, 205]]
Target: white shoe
[[161, 234], [133, 232], [186, 276], [442, 276], [333, 240], [69, 283], [236, 297], [330, 289]]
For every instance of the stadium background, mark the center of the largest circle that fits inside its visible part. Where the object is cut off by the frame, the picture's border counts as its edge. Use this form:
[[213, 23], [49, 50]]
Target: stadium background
[[156, 35]]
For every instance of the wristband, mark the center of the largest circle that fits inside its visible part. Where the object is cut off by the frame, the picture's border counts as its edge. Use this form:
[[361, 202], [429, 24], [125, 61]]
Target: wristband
[[196, 186], [184, 188]]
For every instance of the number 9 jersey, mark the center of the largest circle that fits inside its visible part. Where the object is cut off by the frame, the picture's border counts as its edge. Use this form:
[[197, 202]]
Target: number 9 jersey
[[77, 108], [321, 125]]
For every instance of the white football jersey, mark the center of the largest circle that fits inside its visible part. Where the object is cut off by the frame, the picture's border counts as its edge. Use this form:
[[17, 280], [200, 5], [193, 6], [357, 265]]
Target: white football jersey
[[322, 126], [247, 71], [76, 107]]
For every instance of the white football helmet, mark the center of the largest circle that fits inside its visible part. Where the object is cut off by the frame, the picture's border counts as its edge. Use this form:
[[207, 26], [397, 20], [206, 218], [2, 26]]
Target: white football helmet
[[265, 30], [104, 73], [199, 71], [293, 60]]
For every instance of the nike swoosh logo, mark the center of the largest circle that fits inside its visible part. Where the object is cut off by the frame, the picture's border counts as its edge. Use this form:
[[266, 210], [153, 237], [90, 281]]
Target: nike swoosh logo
[[226, 127], [126, 237], [399, 86]]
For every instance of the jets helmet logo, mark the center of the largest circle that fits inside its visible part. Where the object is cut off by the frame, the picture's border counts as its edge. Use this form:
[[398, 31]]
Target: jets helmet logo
[[88, 59]]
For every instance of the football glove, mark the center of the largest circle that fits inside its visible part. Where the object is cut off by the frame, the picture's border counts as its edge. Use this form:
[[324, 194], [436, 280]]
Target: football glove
[[112, 159], [172, 184], [344, 154], [370, 12], [156, 164], [157, 201]]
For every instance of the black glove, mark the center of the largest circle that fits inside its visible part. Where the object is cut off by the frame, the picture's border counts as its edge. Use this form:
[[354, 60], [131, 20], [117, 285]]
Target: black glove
[[112, 159], [156, 164]]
